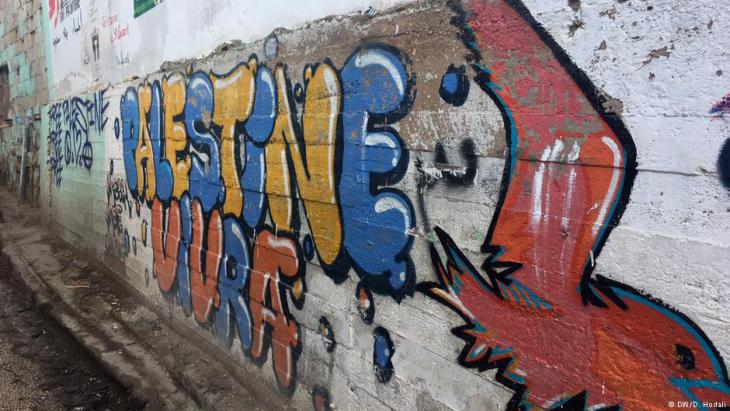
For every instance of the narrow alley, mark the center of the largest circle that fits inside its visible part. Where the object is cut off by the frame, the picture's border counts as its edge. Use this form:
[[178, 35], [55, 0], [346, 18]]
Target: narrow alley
[[41, 366]]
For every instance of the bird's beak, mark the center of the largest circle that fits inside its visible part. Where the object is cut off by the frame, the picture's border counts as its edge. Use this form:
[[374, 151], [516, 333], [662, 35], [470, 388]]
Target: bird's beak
[[705, 394]]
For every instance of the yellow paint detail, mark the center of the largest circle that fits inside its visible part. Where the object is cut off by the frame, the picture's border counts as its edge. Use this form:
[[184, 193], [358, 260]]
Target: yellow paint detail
[[173, 91], [313, 162], [297, 290], [234, 93], [278, 186], [143, 156]]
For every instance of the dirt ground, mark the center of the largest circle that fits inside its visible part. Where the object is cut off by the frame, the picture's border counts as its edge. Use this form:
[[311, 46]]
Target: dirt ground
[[42, 367]]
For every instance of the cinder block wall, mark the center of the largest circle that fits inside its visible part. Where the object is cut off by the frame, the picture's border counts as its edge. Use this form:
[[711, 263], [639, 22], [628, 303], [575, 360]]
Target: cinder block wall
[[24, 86], [480, 205]]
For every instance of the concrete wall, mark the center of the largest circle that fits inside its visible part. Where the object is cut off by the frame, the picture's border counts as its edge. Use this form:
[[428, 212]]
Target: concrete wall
[[105, 42], [22, 53], [479, 205]]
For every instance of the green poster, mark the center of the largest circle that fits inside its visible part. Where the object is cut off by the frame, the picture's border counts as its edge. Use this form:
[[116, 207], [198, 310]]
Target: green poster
[[141, 6]]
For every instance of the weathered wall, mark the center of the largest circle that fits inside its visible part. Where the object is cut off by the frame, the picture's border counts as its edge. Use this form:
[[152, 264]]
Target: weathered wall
[[22, 49], [108, 41], [327, 203]]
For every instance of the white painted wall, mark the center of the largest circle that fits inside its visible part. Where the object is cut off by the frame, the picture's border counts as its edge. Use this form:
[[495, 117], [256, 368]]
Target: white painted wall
[[173, 30]]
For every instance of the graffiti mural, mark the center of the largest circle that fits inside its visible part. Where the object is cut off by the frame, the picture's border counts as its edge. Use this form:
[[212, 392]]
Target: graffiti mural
[[722, 107], [245, 195], [559, 336], [226, 228], [383, 351], [70, 124]]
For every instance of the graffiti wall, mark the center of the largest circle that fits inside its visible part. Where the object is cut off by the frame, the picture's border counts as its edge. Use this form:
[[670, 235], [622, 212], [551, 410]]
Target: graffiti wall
[[69, 124], [73, 166], [432, 205]]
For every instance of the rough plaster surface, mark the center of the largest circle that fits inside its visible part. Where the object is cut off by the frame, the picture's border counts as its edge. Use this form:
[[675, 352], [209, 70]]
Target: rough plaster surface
[[130, 46], [659, 66]]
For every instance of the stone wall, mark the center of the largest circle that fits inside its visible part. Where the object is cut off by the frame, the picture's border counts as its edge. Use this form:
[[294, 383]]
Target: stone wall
[[22, 58]]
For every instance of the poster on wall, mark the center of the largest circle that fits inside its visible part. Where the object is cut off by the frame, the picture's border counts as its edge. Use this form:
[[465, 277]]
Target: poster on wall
[[142, 6], [66, 19]]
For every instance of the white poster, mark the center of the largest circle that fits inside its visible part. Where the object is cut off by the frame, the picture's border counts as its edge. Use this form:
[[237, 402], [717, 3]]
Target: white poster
[[66, 20]]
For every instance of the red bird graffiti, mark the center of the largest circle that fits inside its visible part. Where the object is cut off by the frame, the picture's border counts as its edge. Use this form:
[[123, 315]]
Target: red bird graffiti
[[631, 354], [560, 337]]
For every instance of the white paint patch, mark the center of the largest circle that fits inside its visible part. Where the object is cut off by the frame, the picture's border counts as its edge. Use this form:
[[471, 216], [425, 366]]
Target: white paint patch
[[224, 82], [537, 190], [382, 140], [333, 89], [607, 201], [555, 154], [387, 202], [374, 57]]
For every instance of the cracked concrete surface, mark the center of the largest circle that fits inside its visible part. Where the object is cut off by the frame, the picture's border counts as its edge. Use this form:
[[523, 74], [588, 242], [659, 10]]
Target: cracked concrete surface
[[42, 367], [129, 340]]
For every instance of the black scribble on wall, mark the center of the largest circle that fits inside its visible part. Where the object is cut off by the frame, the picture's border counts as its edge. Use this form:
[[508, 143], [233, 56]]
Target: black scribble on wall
[[95, 43], [69, 125]]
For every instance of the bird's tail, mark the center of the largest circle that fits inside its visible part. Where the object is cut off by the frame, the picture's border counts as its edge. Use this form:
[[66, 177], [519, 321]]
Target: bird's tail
[[462, 288], [455, 278]]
